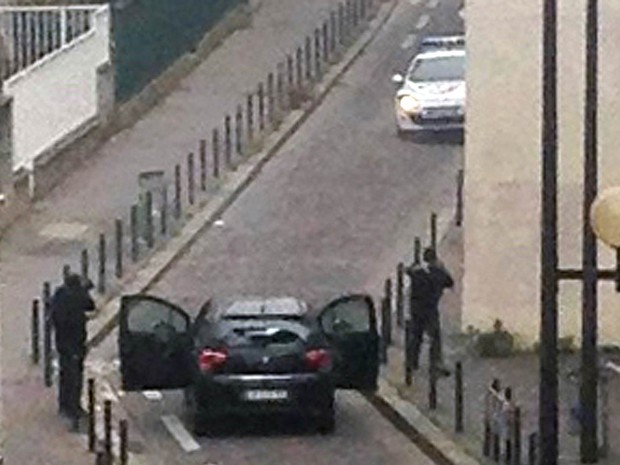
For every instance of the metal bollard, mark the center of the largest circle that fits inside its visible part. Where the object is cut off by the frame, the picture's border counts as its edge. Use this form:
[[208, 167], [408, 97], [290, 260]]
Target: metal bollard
[[325, 40], [363, 10], [47, 335], [215, 146], [355, 13], [408, 341], [228, 142], [388, 311], [107, 428], [164, 212], [92, 434], [417, 251], [133, 226], [281, 105], [458, 398], [123, 442], [84, 264], [532, 449], [434, 231], [340, 24], [308, 53], [261, 106], [299, 66], [118, 241], [400, 294], [488, 407], [333, 31], [101, 284], [384, 331], [148, 233], [249, 114], [177, 192], [239, 130], [101, 459], [347, 19], [432, 384], [516, 455], [460, 179], [508, 439], [191, 179], [290, 77], [203, 164], [35, 336], [317, 54], [270, 99]]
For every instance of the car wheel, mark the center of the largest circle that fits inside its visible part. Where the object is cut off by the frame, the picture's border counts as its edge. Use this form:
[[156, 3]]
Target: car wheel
[[326, 423]]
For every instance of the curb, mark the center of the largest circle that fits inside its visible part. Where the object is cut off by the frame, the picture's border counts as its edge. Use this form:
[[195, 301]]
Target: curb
[[406, 417], [238, 181]]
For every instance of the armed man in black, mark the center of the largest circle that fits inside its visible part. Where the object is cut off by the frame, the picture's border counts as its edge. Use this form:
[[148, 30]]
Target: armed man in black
[[70, 306], [428, 281]]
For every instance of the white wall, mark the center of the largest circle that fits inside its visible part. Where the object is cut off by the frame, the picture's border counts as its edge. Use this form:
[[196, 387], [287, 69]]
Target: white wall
[[502, 161], [58, 93]]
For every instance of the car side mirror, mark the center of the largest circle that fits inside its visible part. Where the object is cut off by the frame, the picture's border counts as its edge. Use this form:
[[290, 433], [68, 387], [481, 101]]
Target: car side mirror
[[398, 79]]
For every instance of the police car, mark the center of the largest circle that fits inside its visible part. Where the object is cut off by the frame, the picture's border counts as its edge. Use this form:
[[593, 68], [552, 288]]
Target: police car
[[431, 95]]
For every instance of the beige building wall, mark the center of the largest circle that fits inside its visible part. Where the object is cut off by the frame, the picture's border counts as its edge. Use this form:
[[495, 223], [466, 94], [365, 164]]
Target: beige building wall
[[503, 159]]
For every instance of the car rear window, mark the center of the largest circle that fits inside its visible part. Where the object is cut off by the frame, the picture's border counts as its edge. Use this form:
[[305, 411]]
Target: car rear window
[[447, 68], [237, 333]]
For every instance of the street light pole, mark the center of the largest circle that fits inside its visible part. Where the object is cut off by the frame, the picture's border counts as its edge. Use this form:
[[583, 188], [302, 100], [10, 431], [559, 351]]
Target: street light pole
[[589, 315], [548, 390]]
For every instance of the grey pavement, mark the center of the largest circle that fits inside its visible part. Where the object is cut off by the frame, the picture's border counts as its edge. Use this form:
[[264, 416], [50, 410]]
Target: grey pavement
[[520, 372], [86, 203]]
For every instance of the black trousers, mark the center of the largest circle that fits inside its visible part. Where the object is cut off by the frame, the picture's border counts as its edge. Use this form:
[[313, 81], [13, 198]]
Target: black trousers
[[70, 383], [427, 323]]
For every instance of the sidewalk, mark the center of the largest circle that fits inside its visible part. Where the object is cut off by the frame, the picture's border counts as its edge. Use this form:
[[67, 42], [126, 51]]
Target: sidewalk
[[87, 203], [520, 372]]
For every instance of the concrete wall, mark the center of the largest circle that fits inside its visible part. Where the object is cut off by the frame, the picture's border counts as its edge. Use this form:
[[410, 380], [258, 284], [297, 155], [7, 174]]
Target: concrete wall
[[503, 158], [58, 94]]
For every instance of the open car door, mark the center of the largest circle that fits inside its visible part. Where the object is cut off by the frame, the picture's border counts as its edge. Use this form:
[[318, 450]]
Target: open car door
[[350, 325], [155, 344]]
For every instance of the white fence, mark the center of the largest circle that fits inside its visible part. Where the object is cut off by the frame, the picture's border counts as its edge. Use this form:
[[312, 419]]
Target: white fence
[[54, 56]]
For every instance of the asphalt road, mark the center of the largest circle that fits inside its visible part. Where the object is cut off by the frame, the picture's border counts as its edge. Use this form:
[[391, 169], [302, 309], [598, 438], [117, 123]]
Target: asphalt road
[[331, 214]]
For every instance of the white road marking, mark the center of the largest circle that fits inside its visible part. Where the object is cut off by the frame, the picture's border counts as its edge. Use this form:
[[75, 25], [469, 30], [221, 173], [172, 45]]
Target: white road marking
[[612, 366], [178, 431], [408, 42], [422, 22], [152, 395], [433, 4]]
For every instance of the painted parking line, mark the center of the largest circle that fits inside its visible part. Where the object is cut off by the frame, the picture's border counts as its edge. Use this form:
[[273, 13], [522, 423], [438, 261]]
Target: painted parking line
[[613, 367], [422, 22], [432, 4], [408, 42], [178, 432]]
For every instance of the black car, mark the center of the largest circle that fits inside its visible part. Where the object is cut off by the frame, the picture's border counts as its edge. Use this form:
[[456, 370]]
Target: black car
[[250, 355]]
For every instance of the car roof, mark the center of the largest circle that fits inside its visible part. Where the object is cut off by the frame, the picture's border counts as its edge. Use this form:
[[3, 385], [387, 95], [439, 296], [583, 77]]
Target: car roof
[[442, 42], [260, 307]]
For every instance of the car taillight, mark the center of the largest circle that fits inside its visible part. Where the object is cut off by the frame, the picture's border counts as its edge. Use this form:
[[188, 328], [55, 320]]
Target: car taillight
[[209, 359], [318, 359]]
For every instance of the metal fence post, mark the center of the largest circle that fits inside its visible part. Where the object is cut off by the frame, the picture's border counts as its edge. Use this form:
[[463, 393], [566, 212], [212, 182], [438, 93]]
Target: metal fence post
[[408, 341], [434, 231], [148, 205], [332, 31], [191, 179], [107, 428], [261, 106], [215, 146], [177, 192], [417, 250], [133, 226], [239, 130], [123, 442], [101, 284], [516, 455], [164, 212], [228, 142], [458, 398], [384, 330], [249, 115], [203, 164], [325, 40], [432, 384], [35, 336], [47, 334], [400, 294], [308, 59], [508, 444], [341, 24], [299, 66], [118, 241], [317, 53], [290, 75], [84, 264], [459, 197], [270, 99], [92, 435], [280, 107], [388, 302]]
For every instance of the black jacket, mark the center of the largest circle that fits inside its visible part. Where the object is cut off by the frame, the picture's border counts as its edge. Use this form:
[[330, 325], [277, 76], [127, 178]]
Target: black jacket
[[427, 286], [69, 307]]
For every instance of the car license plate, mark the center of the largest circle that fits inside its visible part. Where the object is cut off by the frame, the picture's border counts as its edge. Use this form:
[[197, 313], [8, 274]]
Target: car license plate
[[440, 114], [265, 394]]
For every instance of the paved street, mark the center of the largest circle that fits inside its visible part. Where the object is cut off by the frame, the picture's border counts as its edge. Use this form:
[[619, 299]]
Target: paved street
[[332, 213]]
